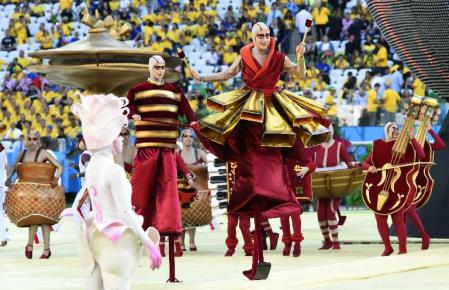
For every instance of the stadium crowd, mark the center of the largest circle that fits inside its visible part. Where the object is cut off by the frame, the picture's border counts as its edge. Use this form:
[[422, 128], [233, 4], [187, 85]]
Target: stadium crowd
[[350, 66]]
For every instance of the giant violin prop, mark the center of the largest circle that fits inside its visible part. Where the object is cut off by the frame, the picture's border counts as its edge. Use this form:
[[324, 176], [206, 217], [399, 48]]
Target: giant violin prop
[[392, 187], [424, 181]]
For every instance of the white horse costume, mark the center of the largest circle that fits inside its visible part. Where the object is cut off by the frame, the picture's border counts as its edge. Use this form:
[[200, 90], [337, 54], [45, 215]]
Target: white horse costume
[[111, 236]]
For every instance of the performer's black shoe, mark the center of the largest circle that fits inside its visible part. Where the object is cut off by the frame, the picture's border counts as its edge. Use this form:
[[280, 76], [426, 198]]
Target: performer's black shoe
[[260, 273]]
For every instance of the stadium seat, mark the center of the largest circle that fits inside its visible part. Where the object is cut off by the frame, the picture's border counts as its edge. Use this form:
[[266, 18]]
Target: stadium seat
[[335, 73]]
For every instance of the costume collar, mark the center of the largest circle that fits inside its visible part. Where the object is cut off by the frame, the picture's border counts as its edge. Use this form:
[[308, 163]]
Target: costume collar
[[155, 83]]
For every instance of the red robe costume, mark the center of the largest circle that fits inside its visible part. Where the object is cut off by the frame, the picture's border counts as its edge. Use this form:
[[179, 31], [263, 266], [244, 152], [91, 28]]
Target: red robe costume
[[398, 217], [261, 188], [328, 207], [154, 183], [411, 213]]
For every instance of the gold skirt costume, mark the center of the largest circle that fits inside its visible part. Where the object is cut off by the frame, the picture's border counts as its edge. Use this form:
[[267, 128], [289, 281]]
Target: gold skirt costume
[[283, 115], [33, 200]]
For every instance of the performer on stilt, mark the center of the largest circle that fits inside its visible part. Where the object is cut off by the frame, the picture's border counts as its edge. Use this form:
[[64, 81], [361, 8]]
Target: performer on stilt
[[302, 179], [252, 125], [328, 156], [391, 134], [155, 106], [111, 235]]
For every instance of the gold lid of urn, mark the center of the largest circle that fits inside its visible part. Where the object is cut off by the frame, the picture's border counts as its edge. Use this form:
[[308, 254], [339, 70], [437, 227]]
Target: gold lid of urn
[[100, 63]]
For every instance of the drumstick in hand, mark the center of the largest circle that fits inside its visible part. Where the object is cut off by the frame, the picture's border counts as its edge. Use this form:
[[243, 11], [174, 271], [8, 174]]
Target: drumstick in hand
[[308, 26]]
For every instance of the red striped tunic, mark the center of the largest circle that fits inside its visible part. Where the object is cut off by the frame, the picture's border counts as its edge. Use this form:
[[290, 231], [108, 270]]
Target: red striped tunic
[[159, 107]]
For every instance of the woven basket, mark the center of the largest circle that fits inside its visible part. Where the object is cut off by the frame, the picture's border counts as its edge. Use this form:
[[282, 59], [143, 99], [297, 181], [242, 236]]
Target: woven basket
[[34, 204], [199, 213]]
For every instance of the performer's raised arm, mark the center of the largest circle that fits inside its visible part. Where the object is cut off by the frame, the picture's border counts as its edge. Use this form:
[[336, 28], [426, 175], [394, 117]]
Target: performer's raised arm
[[294, 68], [225, 75]]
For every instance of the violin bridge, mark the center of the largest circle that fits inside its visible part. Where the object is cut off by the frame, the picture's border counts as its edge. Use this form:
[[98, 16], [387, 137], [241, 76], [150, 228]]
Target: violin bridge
[[381, 199]]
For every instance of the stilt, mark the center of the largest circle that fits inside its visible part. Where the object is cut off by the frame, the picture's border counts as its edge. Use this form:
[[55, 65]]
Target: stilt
[[171, 259], [260, 269]]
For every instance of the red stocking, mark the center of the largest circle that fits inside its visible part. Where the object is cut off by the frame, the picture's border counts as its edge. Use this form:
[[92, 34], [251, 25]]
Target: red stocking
[[382, 227]]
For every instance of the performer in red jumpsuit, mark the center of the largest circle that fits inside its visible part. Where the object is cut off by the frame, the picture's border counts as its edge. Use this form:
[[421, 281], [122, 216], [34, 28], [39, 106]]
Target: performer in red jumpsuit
[[411, 213], [391, 132], [328, 156], [303, 173], [252, 125], [155, 106]]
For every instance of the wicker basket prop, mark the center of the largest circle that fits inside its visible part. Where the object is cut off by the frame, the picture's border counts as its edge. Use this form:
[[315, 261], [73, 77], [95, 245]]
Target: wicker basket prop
[[33, 200], [200, 212]]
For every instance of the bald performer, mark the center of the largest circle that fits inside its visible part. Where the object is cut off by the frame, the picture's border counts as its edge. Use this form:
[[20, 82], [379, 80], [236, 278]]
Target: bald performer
[[260, 187], [155, 107]]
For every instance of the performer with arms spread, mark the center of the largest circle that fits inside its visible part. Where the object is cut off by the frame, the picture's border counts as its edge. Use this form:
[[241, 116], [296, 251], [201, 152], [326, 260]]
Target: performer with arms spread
[[155, 106], [252, 125]]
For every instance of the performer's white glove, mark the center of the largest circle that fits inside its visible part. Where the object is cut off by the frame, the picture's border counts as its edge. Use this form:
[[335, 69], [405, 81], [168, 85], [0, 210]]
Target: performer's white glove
[[372, 169], [302, 171], [154, 254], [137, 117]]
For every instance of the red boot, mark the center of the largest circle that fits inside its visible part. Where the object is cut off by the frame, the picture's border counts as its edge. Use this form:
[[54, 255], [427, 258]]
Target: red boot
[[274, 237], [29, 254], [327, 244], [387, 252], [229, 253], [296, 249], [178, 250], [287, 249], [46, 254], [425, 242], [336, 245]]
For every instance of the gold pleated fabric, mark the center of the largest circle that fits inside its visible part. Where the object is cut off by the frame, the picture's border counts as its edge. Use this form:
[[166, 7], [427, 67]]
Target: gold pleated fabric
[[284, 117]]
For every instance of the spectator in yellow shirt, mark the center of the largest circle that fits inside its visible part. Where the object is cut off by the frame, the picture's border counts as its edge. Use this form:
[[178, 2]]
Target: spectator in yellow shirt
[[21, 29], [391, 100], [319, 84], [341, 62], [66, 26], [37, 9], [40, 33], [369, 60], [229, 56], [381, 57], [148, 31], [321, 18], [156, 46], [329, 101], [419, 88], [46, 40], [23, 60], [65, 4], [114, 5], [372, 104]]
